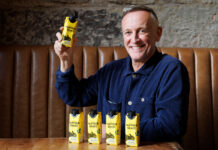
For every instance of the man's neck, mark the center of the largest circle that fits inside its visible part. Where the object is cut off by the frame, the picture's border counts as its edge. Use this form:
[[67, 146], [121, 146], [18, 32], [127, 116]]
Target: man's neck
[[137, 65]]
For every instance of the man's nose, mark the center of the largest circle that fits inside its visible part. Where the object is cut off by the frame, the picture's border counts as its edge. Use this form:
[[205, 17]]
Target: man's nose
[[135, 38]]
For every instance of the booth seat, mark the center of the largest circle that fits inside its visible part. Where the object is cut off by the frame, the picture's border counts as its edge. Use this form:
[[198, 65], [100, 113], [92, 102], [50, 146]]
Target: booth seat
[[30, 107]]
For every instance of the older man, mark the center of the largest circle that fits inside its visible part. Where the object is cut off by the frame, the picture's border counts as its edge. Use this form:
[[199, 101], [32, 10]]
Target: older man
[[148, 82]]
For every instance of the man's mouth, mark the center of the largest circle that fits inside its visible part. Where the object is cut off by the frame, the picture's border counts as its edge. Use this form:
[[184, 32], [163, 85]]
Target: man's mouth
[[137, 47]]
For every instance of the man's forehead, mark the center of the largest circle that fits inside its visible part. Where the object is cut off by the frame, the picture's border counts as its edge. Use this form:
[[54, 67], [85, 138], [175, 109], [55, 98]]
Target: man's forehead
[[137, 13], [132, 8], [139, 17], [136, 17]]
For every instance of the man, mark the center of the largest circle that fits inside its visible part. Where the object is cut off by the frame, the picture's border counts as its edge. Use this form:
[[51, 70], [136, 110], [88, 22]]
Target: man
[[148, 82]]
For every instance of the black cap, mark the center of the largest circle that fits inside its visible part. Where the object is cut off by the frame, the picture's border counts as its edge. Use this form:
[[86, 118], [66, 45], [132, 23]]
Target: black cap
[[75, 112], [74, 17], [93, 113], [111, 113], [131, 114]]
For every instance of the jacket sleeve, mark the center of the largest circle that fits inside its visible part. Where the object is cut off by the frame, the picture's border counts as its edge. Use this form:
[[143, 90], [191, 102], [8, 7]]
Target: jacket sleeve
[[171, 106], [76, 92]]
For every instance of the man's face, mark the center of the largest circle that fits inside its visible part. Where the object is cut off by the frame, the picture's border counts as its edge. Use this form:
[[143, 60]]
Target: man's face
[[140, 33]]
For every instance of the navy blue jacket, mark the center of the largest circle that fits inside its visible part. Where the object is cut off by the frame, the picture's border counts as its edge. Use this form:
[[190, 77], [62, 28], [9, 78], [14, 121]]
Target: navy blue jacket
[[159, 91]]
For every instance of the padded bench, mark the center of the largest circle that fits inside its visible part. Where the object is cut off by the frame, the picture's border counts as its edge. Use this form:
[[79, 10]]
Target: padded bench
[[30, 107]]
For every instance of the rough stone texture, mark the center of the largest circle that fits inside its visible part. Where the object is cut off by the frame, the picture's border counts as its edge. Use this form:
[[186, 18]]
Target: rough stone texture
[[186, 23], [176, 1], [38, 27], [71, 1], [190, 26], [99, 28], [133, 2], [209, 1]]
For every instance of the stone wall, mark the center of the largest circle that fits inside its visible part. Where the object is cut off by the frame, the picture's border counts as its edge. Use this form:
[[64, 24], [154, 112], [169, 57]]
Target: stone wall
[[186, 23]]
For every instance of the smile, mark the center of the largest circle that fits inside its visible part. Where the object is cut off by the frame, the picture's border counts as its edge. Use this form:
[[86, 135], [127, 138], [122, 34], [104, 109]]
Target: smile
[[136, 47]]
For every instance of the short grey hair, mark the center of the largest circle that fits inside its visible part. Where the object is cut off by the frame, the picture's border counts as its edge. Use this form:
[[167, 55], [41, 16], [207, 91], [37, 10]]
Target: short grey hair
[[133, 8]]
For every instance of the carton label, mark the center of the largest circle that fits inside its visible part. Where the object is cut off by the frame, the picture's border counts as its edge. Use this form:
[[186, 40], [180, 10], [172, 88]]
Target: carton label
[[94, 129], [132, 130], [76, 128], [68, 32], [113, 129]]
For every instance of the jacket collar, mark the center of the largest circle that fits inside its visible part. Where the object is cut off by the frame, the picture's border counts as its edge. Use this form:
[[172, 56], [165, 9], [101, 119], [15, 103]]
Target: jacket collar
[[146, 68]]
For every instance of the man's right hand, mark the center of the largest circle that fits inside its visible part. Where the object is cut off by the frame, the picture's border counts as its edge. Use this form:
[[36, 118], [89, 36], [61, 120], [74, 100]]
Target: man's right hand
[[64, 53]]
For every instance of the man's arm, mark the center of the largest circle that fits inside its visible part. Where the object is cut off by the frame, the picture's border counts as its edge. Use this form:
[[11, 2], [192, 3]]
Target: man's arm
[[76, 92], [72, 91], [65, 54]]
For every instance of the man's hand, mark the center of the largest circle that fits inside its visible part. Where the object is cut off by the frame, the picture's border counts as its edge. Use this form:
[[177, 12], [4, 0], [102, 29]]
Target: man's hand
[[64, 53]]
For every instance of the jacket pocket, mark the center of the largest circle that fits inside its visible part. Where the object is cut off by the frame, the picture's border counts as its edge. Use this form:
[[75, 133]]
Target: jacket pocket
[[142, 105], [110, 104]]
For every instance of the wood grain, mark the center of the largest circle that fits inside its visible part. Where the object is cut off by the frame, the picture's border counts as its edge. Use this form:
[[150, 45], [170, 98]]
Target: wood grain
[[62, 144]]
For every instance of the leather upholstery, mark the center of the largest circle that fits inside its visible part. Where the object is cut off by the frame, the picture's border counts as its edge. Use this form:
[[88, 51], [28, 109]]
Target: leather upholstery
[[30, 107]]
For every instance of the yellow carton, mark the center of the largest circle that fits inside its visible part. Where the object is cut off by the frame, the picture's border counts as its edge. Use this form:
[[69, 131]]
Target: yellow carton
[[68, 33], [132, 129], [76, 123], [94, 127], [113, 128]]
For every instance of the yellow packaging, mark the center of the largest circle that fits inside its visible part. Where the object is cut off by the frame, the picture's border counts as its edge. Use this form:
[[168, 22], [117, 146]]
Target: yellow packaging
[[113, 128], [76, 124], [132, 129], [94, 127], [70, 25]]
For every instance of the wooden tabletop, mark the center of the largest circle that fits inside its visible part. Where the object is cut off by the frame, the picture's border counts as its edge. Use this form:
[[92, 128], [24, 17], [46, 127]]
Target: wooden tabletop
[[62, 144]]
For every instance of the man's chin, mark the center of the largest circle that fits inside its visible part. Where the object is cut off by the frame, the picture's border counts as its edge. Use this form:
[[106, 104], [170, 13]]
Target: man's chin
[[138, 59]]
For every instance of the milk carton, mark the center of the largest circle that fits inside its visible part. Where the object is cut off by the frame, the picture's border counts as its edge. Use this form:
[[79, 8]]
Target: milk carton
[[132, 129], [76, 124], [94, 127], [113, 128]]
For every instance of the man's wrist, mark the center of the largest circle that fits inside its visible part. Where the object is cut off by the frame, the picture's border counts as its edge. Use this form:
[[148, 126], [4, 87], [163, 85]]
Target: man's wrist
[[65, 65]]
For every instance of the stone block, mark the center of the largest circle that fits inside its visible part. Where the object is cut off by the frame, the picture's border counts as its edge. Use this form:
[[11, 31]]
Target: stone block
[[188, 26], [209, 1], [44, 3], [184, 25], [70, 1], [175, 1], [4, 3], [133, 2], [99, 2]]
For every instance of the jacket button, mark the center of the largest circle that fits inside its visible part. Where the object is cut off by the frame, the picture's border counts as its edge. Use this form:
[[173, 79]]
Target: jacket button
[[142, 99], [129, 102], [134, 76]]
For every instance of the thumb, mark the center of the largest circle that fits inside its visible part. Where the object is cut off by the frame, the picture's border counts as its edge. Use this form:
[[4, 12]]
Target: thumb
[[58, 35]]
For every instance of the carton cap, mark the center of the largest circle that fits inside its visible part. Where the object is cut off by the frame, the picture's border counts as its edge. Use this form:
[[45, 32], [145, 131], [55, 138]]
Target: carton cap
[[93, 113], [74, 17], [131, 114], [75, 112], [111, 113]]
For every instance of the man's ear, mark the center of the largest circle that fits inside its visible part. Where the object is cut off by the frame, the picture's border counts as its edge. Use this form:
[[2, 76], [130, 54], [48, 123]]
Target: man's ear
[[159, 33]]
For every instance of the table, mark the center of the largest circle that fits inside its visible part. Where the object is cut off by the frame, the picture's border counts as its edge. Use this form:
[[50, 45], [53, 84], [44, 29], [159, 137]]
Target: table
[[62, 144]]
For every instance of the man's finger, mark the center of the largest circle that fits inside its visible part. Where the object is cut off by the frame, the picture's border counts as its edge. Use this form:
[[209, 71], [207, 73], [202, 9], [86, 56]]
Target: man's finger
[[58, 35], [61, 28]]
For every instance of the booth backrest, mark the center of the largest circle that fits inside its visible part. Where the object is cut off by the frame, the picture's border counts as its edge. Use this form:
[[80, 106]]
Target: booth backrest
[[30, 107]]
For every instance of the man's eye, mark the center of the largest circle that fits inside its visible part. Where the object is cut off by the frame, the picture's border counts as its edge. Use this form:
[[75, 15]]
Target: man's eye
[[142, 31], [127, 32]]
